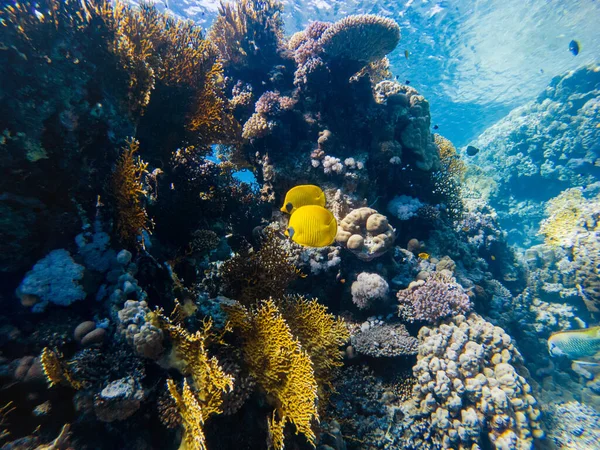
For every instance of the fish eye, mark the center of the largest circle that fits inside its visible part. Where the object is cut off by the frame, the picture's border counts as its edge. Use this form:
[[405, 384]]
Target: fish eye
[[290, 231], [289, 206]]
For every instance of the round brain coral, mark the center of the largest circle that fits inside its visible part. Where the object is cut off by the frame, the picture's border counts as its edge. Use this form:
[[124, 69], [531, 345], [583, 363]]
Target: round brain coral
[[363, 37]]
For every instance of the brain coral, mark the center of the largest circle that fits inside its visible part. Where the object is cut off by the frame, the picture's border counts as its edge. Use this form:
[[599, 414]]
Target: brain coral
[[470, 381], [366, 233], [363, 38]]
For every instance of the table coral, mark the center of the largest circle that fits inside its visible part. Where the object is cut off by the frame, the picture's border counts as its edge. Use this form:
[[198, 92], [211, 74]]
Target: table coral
[[365, 38], [471, 380], [366, 233]]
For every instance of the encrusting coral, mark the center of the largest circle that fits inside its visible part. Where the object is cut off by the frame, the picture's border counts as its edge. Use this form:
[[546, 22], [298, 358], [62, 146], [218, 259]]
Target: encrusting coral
[[471, 380], [131, 218], [281, 367]]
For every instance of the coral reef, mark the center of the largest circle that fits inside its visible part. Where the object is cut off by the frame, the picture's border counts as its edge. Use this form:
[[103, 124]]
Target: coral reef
[[131, 218], [471, 380], [54, 279], [551, 141], [379, 339], [369, 288], [260, 274], [281, 367], [432, 299], [366, 233]]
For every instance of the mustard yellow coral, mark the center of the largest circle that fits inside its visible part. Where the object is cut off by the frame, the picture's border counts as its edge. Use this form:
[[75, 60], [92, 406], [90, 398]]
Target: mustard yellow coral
[[210, 381], [321, 335], [192, 417], [249, 33], [451, 160], [281, 366], [56, 372], [565, 216], [157, 48], [128, 191]]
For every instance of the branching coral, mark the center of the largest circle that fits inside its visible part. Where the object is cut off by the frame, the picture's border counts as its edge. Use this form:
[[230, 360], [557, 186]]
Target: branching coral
[[156, 48], [281, 367], [128, 190], [249, 33], [56, 371], [210, 381], [192, 416], [437, 297], [320, 334], [261, 274]]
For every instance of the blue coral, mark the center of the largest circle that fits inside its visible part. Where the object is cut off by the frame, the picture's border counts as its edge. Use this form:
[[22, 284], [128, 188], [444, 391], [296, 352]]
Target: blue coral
[[54, 279]]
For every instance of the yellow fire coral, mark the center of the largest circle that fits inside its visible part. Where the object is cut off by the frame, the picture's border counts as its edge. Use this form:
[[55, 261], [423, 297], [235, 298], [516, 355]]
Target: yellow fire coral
[[262, 274], [248, 34], [281, 366], [128, 191], [320, 334], [192, 416], [56, 372], [157, 49], [450, 158], [209, 378]]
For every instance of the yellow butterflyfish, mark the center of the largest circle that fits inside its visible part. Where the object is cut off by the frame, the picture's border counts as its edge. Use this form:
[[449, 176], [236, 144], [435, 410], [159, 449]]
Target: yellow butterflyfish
[[303, 195], [312, 226]]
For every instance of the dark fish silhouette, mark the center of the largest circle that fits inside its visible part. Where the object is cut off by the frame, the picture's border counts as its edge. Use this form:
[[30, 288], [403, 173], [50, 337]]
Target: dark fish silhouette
[[407, 82], [406, 54], [472, 151], [574, 47], [435, 127]]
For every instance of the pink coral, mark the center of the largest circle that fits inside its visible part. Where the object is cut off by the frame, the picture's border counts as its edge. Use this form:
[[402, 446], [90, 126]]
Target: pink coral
[[438, 297]]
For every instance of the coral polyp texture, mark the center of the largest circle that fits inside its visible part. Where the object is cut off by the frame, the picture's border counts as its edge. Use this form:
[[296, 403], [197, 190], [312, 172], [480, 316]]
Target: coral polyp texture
[[471, 382], [365, 38], [366, 233], [432, 299]]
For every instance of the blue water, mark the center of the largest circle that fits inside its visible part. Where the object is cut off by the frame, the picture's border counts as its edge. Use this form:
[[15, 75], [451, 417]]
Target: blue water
[[244, 244]]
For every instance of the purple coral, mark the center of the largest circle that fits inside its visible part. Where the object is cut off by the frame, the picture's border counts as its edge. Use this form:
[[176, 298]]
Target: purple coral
[[431, 300], [273, 104]]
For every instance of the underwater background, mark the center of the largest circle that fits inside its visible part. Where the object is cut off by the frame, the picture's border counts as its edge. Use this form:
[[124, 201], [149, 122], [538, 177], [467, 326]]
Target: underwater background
[[302, 224]]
